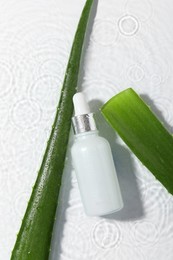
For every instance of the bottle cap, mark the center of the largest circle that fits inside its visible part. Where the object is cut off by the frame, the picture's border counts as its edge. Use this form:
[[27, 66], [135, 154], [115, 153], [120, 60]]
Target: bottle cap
[[83, 121]]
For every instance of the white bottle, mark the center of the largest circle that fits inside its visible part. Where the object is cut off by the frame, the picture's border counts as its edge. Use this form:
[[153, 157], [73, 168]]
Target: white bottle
[[93, 164]]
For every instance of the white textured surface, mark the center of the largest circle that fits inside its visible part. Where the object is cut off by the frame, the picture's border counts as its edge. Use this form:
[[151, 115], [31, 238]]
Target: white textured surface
[[130, 46]]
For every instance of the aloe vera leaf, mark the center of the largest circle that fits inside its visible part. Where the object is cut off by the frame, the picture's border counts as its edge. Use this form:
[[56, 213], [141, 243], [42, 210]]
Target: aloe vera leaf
[[33, 240], [143, 133]]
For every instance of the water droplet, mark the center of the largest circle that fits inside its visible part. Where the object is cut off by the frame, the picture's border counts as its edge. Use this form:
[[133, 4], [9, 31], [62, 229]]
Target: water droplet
[[135, 73], [128, 25], [106, 234]]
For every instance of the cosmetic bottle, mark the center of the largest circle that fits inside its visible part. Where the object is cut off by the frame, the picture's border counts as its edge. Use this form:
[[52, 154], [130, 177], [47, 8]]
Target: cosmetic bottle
[[93, 163]]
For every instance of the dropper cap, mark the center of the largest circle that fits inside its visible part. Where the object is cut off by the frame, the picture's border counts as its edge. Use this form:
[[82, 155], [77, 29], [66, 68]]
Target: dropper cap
[[81, 107], [83, 121]]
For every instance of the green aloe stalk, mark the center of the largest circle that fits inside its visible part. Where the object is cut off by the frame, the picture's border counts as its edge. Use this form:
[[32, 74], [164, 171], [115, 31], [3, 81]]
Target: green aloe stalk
[[143, 133], [33, 240]]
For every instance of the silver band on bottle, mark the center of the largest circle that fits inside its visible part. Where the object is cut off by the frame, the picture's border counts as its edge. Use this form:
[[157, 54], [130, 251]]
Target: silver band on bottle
[[83, 123]]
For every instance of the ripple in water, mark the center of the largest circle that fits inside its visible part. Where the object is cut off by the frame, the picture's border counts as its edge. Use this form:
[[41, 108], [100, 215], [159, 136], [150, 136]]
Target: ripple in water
[[36, 34], [155, 201], [167, 234], [144, 233], [3, 114], [106, 235], [164, 105], [104, 33], [52, 67], [101, 90], [46, 90], [156, 79], [6, 80], [125, 252], [135, 73], [161, 251], [76, 241], [13, 144], [142, 9], [52, 57], [128, 25], [157, 68], [21, 109]]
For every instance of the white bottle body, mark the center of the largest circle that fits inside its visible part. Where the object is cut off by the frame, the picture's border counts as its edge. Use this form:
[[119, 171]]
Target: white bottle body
[[96, 174]]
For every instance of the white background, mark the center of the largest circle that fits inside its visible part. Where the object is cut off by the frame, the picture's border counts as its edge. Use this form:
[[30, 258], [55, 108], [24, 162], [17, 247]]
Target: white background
[[129, 45]]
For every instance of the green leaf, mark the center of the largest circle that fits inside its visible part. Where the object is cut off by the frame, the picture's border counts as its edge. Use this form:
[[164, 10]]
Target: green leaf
[[33, 240], [143, 133]]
